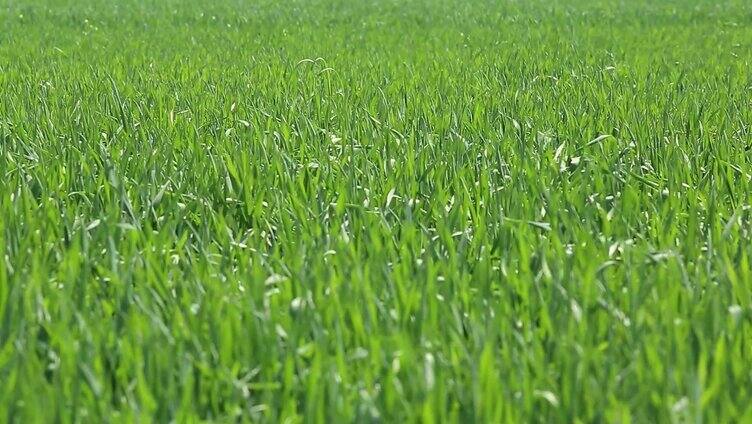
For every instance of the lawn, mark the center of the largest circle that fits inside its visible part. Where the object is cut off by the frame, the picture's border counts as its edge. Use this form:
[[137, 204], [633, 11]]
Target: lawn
[[375, 210]]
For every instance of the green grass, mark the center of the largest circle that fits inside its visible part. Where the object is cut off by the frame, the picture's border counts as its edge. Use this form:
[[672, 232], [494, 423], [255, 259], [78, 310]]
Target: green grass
[[330, 211]]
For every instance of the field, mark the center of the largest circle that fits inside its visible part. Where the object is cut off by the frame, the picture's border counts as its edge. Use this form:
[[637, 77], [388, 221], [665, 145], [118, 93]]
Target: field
[[375, 210]]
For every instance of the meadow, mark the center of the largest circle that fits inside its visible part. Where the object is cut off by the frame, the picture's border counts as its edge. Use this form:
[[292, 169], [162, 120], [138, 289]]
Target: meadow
[[375, 211]]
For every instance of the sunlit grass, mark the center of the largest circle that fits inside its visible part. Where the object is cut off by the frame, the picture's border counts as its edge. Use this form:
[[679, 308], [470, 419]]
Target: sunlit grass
[[329, 210]]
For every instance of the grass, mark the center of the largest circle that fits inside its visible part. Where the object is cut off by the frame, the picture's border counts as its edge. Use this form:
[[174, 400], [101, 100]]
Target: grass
[[329, 210]]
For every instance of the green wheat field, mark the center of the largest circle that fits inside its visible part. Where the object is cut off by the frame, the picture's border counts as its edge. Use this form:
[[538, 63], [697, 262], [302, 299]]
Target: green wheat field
[[324, 211]]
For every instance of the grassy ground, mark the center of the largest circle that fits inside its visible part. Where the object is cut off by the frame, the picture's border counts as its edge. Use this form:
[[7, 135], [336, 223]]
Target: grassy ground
[[329, 210]]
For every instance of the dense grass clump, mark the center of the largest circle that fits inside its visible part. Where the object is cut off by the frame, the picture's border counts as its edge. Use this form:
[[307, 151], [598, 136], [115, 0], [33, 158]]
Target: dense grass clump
[[330, 210]]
